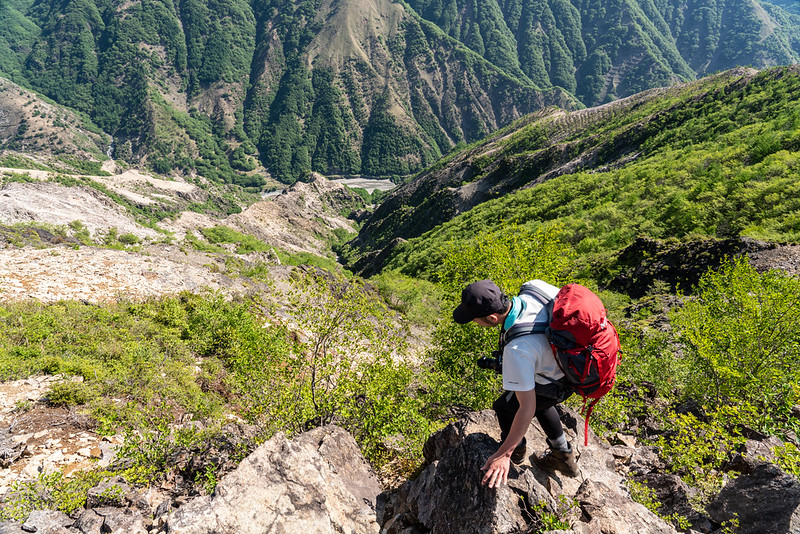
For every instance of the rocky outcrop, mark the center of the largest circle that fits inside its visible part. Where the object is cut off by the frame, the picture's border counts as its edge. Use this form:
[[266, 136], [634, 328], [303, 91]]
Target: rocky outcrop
[[302, 217], [678, 265], [448, 496], [767, 500], [318, 483]]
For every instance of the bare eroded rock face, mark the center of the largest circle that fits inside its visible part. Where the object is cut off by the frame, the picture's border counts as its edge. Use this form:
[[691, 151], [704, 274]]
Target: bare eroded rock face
[[317, 483], [766, 500], [55, 204]]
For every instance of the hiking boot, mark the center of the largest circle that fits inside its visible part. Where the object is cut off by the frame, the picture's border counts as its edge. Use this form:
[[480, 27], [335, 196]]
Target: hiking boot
[[556, 460], [518, 456]]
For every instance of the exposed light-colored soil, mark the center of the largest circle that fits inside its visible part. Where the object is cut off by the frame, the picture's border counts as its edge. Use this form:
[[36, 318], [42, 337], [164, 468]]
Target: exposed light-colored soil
[[46, 438], [57, 205], [104, 275]]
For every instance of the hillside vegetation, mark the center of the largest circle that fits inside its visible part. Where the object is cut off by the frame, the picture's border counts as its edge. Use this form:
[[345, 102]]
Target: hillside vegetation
[[716, 157], [234, 90], [602, 51]]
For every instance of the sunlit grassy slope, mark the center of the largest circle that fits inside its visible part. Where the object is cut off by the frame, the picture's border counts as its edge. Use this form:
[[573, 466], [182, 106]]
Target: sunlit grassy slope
[[718, 157]]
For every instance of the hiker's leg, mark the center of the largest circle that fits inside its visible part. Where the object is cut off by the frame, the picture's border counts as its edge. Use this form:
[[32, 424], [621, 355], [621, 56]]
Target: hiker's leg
[[548, 418], [560, 456], [505, 407]]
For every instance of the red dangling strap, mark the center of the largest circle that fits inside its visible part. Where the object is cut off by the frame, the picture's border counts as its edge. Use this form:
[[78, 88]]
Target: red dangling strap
[[586, 419]]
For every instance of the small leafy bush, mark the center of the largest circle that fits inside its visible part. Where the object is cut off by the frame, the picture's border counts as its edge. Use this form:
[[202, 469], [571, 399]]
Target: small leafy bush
[[224, 234], [69, 394], [51, 491], [696, 448], [129, 239]]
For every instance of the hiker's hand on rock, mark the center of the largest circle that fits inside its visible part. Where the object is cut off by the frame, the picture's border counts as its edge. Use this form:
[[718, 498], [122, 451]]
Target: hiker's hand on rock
[[496, 468]]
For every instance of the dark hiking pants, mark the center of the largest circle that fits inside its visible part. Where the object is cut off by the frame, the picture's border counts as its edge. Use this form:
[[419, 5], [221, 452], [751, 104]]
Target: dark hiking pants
[[507, 405]]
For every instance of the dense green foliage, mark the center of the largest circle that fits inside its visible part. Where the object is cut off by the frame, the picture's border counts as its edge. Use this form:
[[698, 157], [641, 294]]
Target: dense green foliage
[[741, 334], [715, 160]]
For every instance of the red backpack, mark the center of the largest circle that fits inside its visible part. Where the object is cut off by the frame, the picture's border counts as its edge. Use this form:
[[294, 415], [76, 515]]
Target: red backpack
[[585, 343]]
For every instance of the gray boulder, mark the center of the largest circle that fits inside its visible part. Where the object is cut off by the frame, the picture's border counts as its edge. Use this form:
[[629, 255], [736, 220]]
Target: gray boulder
[[766, 500], [448, 496], [116, 493], [318, 483], [753, 453], [11, 527], [122, 520], [89, 522], [615, 513], [47, 522], [10, 451]]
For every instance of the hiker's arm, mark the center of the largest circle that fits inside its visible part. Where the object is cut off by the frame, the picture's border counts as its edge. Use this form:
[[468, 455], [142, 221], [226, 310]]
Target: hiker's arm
[[497, 465]]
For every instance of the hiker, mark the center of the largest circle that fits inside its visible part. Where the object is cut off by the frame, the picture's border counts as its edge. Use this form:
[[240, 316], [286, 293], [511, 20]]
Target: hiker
[[532, 380]]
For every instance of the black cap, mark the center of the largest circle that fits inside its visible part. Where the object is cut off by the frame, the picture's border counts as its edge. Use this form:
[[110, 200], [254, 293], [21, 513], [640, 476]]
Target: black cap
[[479, 299]]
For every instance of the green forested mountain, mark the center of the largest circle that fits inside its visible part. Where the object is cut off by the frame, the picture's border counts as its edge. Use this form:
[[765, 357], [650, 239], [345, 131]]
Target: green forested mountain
[[348, 87], [604, 50], [374, 87], [714, 157]]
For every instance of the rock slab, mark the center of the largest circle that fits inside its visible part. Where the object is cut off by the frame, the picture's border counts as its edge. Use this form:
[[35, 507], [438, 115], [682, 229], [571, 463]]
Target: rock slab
[[318, 483], [766, 500], [448, 496]]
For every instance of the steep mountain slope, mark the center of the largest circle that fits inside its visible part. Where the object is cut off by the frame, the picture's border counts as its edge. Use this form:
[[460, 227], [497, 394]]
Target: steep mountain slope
[[234, 89], [604, 50], [58, 136], [712, 157], [366, 87], [350, 86]]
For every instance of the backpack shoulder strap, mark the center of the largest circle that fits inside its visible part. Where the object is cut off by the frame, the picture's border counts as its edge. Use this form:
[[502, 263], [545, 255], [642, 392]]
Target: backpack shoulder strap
[[538, 294], [524, 329]]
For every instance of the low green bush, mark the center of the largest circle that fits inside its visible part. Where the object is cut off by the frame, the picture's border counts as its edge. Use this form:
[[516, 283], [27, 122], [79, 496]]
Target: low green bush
[[224, 234], [69, 394]]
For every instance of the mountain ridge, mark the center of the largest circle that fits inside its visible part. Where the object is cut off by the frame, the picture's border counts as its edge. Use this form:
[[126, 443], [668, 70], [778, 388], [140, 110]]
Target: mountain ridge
[[536, 171], [240, 92]]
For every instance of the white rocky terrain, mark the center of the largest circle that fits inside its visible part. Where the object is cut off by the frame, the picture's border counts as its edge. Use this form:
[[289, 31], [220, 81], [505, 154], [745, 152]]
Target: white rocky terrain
[[298, 220], [48, 268]]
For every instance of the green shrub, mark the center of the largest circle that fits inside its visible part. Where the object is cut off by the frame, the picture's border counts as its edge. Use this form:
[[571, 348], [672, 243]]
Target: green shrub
[[51, 491], [696, 449], [68, 394], [742, 334], [202, 246], [788, 458], [129, 239], [224, 234], [80, 232], [419, 301]]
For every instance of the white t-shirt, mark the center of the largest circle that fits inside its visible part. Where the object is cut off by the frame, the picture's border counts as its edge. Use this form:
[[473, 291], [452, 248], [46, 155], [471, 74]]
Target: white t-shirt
[[525, 358]]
